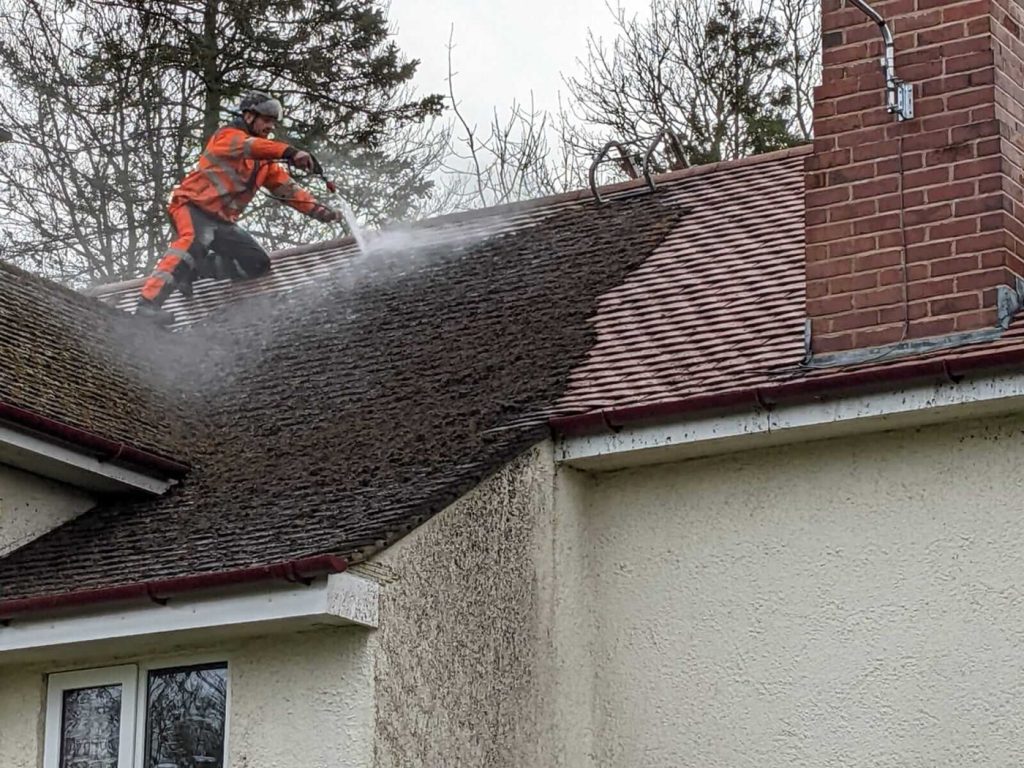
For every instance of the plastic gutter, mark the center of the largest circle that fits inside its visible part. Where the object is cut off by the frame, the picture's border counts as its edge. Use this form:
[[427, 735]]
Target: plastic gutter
[[109, 450], [161, 590], [803, 390]]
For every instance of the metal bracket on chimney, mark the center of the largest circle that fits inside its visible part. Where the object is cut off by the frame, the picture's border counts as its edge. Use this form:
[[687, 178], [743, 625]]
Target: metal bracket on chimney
[[899, 96], [1009, 302]]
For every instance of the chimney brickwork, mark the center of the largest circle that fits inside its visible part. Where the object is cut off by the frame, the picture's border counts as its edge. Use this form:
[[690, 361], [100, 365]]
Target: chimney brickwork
[[954, 196]]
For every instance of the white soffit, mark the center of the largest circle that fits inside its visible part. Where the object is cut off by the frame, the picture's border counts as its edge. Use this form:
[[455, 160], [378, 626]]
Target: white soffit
[[338, 599], [724, 433], [40, 457]]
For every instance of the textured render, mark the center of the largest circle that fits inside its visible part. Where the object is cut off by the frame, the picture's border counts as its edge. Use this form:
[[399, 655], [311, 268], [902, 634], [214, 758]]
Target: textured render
[[30, 506], [295, 699], [22, 699], [303, 700], [853, 602], [460, 668]]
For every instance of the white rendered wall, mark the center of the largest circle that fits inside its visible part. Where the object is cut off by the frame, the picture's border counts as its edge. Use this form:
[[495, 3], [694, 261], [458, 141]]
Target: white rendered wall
[[857, 602], [31, 505]]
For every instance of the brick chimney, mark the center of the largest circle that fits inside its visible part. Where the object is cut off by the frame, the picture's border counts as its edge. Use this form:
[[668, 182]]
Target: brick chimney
[[915, 228]]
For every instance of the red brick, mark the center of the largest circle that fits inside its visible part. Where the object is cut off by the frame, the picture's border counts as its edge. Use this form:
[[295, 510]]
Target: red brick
[[983, 204], [983, 113], [816, 289], [915, 73], [826, 196], [932, 140], [970, 321], [819, 270], [838, 124], [828, 232], [837, 343], [926, 178], [955, 265], [982, 95], [852, 173], [824, 160], [931, 288], [855, 139], [980, 243], [952, 229], [983, 166], [891, 239], [877, 337], [881, 223], [991, 222], [959, 191], [974, 131], [850, 283], [877, 260], [850, 320], [922, 329], [927, 215], [875, 150], [949, 155], [830, 305], [812, 217], [979, 280], [851, 246], [929, 251], [965, 11], [951, 305], [940, 34], [876, 187], [849, 211], [877, 297]]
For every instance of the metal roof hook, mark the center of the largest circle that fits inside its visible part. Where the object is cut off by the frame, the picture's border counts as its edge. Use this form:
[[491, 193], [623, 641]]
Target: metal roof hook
[[899, 96], [627, 161]]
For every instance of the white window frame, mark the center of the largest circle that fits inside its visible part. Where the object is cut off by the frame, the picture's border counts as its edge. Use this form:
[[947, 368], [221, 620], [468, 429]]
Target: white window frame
[[126, 676], [134, 681], [143, 696]]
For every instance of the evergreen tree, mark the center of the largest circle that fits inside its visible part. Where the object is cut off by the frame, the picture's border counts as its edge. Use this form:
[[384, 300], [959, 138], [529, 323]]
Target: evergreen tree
[[169, 74]]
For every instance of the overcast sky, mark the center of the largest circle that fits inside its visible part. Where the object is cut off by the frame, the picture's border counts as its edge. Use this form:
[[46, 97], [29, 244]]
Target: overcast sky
[[504, 48]]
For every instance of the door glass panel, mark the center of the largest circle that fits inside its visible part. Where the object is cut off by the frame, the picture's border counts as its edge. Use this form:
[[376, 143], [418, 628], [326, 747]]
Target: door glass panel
[[90, 727], [185, 717]]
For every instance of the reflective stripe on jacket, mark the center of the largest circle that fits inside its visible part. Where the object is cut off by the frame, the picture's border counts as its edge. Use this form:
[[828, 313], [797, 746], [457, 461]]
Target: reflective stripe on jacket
[[231, 168]]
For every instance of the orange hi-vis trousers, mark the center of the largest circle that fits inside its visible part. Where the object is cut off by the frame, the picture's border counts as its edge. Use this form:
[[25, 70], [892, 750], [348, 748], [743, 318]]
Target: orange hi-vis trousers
[[198, 233]]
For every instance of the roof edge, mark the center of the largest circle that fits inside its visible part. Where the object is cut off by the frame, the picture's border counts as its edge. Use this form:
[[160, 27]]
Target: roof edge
[[846, 382], [111, 450], [160, 590]]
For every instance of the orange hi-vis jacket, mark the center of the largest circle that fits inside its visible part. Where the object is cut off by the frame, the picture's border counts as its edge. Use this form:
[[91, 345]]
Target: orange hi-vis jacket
[[231, 168]]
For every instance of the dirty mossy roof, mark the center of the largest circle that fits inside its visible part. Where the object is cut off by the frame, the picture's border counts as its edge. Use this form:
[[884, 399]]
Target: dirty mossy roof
[[72, 359], [334, 417]]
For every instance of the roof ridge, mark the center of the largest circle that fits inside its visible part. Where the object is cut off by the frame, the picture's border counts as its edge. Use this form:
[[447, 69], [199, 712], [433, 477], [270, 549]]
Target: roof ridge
[[562, 198]]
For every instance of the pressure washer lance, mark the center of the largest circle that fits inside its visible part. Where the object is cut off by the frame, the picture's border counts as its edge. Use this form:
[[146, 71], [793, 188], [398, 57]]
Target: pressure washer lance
[[346, 210]]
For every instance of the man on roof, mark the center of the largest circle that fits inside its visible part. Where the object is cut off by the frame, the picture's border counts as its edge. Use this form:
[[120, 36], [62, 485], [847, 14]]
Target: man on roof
[[206, 205]]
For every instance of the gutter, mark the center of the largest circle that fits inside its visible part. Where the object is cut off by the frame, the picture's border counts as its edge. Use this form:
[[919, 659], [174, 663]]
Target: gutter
[[160, 590], [109, 450], [802, 390]]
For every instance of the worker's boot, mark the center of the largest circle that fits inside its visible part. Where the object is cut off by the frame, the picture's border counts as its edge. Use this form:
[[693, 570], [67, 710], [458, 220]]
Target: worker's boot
[[150, 311]]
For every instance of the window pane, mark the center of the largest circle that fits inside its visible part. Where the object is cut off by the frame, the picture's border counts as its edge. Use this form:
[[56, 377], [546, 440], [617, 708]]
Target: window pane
[[90, 727], [185, 717]]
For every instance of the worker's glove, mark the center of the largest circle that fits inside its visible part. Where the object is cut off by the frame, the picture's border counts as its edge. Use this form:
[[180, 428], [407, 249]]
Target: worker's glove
[[328, 215], [304, 161]]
